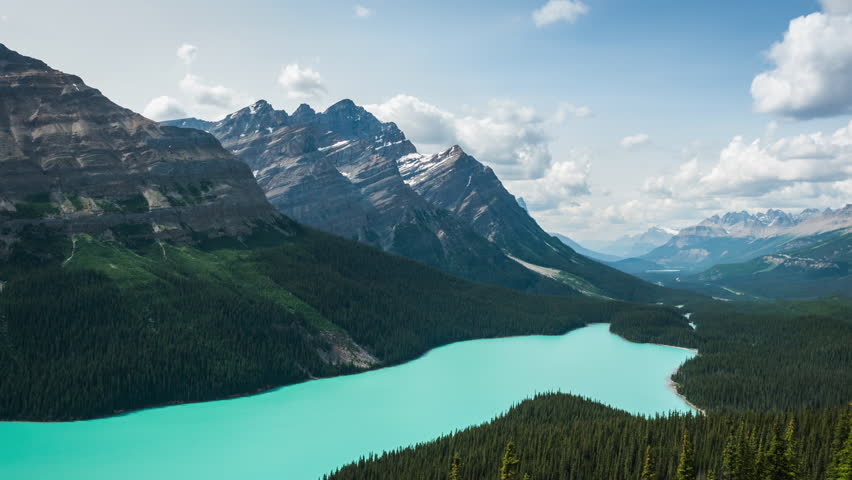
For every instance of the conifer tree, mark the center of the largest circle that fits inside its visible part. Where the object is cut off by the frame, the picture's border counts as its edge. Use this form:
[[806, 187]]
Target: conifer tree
[[840, 447], [686, 461], [649, 469], [511, 463], [774, 468], [791, 452], [455, 468], [842, 464]]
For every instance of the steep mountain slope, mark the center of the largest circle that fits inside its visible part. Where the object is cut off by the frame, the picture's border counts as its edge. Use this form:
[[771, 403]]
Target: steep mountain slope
[[456, 181], [603, 257], [347, 173], [336, 171], [72, 160]]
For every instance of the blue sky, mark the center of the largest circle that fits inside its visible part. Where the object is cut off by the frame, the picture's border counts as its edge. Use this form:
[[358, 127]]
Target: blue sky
[[608, 116]]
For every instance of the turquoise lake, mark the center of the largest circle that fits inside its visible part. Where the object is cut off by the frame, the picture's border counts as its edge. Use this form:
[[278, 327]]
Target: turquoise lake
[[303, 431]]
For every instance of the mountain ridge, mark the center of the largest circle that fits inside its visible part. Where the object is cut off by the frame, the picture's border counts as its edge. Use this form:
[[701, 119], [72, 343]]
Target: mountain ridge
[[346, 172]]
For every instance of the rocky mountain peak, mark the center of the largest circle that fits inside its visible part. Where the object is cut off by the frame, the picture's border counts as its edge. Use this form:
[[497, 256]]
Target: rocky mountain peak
[[303, 114]]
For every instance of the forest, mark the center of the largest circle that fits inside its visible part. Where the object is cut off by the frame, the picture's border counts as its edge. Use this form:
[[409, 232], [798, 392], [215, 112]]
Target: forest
[[100, 327], [565, 437]]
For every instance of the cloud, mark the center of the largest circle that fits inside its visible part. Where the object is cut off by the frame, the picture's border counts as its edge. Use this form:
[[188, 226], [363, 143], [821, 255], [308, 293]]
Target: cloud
[[559, 11], [838, 7], [632, 141], [816, 163], [164, 108], [363, 12], [187, 53], [511, 138], [562, 183], [4, 18], [211, 95], [813, 66], [301, 83], [569, 109], [426, 124]]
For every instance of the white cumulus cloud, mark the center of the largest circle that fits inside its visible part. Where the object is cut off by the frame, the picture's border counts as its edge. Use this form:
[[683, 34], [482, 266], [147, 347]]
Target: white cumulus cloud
[[164, 108], [766, 172], [429, 126], [632, 141], [301, 83], [559, 11], [363, 12], [812, 70], [209, 95], [187, 53]]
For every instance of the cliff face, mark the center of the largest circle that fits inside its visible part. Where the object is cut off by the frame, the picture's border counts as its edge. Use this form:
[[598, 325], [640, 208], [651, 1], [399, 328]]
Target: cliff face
[[70, 158], [337, 171]]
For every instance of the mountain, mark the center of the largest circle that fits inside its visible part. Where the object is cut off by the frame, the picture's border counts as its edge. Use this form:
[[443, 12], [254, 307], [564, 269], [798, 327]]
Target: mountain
[[603, 257], [336, 171], [72, 160], [740, 255], [143, 266], [822, 267], [741, 236], [345, 172], [629, 246]]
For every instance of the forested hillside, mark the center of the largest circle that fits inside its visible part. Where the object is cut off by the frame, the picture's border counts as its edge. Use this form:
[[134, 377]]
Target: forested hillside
[[758, 355], [94, 327], [565, 437]]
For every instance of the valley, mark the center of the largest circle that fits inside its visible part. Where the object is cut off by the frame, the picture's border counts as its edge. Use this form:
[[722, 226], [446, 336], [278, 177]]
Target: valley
[[468, 241]]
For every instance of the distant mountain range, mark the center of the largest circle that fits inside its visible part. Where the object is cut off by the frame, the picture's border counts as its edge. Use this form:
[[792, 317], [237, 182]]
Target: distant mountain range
[[603, 257], [629, 246], [772, 253], [345, 172]]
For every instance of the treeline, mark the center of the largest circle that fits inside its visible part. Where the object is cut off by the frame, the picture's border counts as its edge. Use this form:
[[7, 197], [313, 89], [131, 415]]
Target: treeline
[[757, 355], [117, 329], [564, 437]]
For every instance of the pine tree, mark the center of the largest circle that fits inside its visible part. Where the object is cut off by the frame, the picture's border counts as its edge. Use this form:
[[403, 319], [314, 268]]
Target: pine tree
[[455, 468], [686, 462], [511, 463], [730, 458], [649, 469], [842, 462], [791, 452], [774, 468], [840, 448]]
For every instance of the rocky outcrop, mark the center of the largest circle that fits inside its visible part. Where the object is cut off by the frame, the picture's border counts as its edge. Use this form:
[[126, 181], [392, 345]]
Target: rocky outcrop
[[72, 159]]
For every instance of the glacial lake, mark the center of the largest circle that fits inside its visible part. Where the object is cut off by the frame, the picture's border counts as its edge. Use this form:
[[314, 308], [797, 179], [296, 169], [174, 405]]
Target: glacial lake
[[304, 431]]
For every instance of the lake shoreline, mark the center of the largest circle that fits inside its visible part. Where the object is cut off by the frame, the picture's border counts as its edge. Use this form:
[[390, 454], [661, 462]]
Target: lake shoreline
[[672, 385], [270, 389]]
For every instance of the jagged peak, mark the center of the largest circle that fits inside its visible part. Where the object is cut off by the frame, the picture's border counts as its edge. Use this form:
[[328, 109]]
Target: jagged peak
[[304, 110]]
